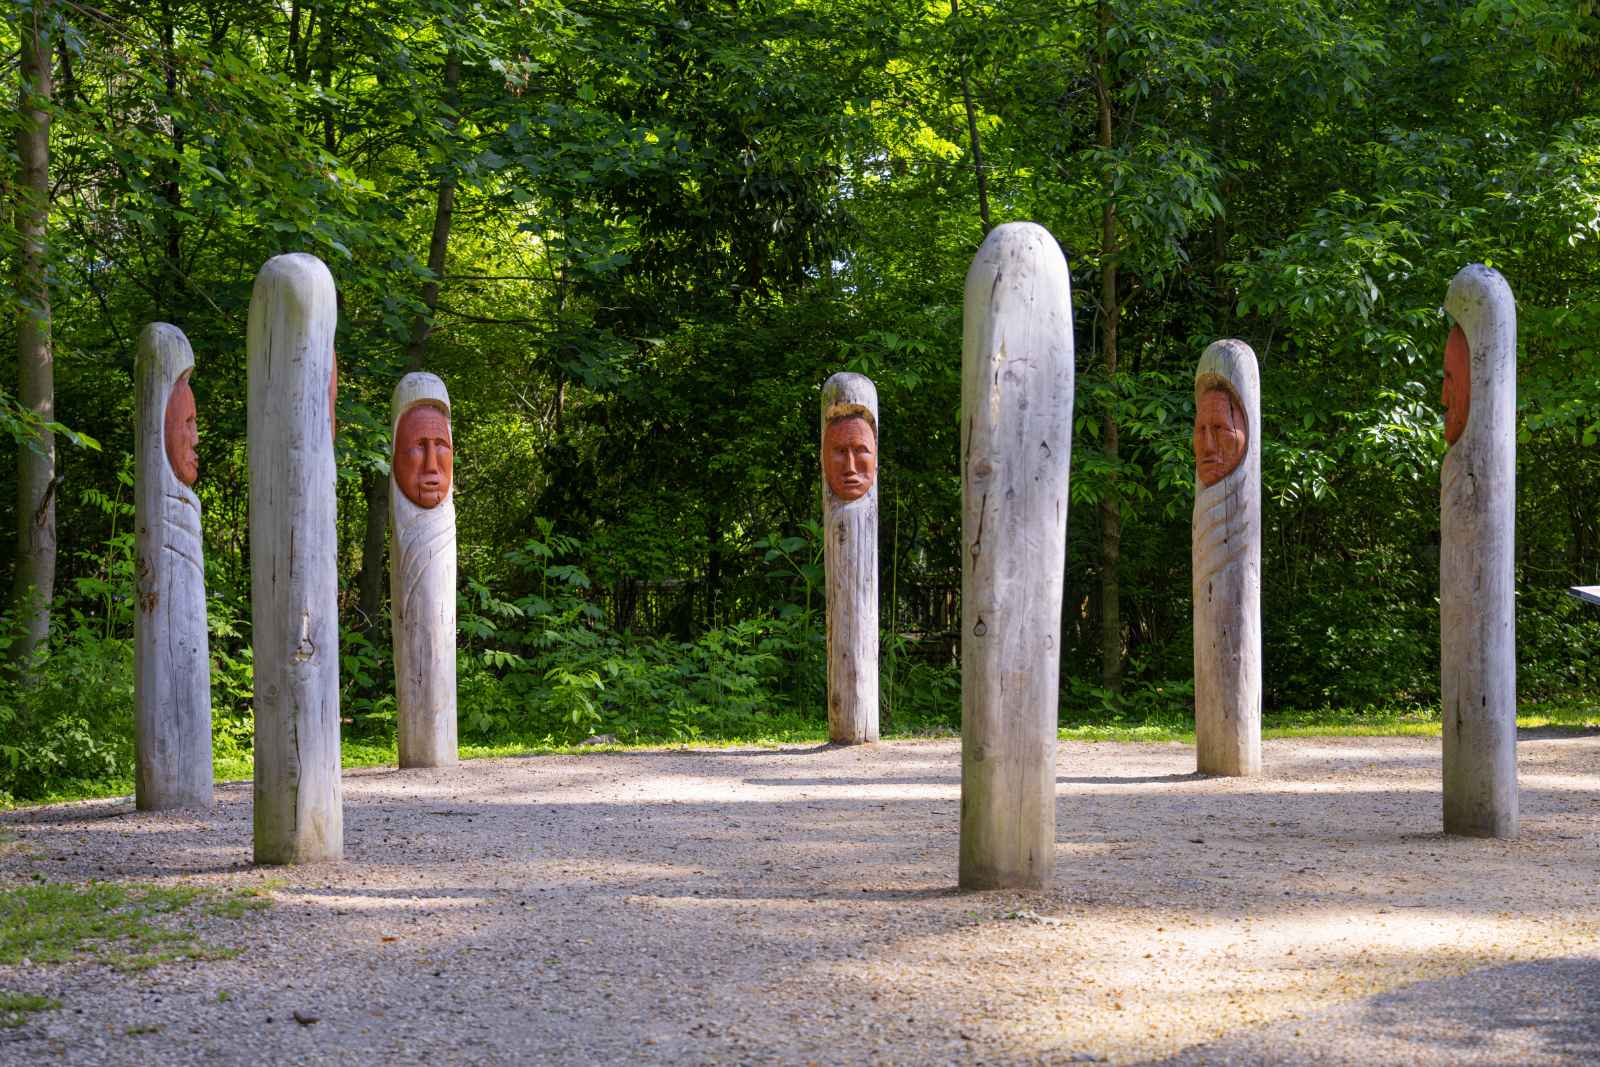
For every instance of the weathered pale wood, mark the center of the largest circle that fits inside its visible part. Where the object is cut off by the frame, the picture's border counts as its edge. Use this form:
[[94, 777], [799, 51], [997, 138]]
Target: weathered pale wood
[[850, 556], [171, 655], [422, 598], [1477, 530], [1226, 555], [293, 565], [1016, 442]]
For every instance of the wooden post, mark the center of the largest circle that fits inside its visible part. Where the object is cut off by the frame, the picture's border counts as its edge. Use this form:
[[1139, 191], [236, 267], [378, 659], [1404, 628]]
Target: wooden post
[[294, 574], [422, 570], [171, 656], [1016, 444], [850, 553], [1226, 553], [1477, 528]]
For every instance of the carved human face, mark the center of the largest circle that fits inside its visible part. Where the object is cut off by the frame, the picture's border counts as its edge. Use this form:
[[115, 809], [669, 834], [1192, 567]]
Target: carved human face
[[424, 460], [850, 457], [1220, 436], [333, 398], [180, 433], [1456, 396]]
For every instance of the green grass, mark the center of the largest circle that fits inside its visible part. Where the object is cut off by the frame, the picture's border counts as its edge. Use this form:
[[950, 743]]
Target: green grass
[[1160, 725], [15, 1008], [128, 928]]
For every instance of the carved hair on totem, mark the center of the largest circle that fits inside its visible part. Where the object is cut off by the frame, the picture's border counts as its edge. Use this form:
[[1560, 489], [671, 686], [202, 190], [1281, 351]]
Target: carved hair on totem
[[1456, 396], [850, 456], [424, 457], [180, 432], [1220, 435]]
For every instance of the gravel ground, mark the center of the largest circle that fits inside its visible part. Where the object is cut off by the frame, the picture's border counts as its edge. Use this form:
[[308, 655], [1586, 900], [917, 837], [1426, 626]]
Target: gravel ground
[[798, 906]]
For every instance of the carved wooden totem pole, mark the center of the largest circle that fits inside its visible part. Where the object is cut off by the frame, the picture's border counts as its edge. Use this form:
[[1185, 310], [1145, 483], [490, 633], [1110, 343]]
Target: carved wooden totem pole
[[1016, 441], [1226, 553], [850, 554], [171, 660], [1477, 527], [422, 571], [294, 579]]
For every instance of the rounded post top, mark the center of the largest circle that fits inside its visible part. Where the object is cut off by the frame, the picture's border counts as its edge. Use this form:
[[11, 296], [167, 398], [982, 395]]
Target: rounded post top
[[848, 393], [418, 387], [1023, 244], [1476, 283], [300, 275], [165, 342]]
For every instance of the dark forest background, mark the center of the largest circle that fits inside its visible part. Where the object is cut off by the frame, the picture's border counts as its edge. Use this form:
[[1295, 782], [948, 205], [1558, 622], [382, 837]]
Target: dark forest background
[[634, 238]]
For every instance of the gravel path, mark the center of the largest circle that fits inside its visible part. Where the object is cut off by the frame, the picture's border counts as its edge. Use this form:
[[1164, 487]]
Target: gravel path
[[797, 906]]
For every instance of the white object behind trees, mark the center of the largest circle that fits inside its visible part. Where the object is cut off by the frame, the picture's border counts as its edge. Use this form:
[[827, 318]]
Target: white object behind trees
[[1016, 443], [850, 557], [1226, 556], [293, 566], [422, 599], [1477, 529], [171, 657]]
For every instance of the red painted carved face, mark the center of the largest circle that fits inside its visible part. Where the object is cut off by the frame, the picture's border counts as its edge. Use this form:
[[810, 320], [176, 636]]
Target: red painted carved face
[[850, 457], [180, 433], [424, 459], [1220, 436], [333, 398], [1456, 396]]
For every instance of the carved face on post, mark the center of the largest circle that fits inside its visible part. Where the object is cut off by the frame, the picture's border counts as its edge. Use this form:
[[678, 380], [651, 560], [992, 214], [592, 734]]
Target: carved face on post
[[1456, 396], [333, 398], [850, 457], [180, 433], [1220, 436], [424, 459]]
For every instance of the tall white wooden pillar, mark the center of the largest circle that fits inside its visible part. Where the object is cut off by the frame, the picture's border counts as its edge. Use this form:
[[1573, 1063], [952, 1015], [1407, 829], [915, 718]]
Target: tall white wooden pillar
[[1226, 556], [849, 433], [171, 661], [422, 572], [1016, 444], [294, 575], [1477, 528]]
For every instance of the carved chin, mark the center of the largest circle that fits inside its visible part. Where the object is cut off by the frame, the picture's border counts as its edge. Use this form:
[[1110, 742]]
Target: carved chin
[[427, 496], [1213, 471], [851, 490]]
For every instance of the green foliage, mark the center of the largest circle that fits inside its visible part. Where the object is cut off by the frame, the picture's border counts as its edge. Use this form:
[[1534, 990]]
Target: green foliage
[[16, 1007]]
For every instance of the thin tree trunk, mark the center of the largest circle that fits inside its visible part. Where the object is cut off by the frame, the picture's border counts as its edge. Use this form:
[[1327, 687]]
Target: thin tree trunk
[[972, 132], [377, 487], [172, 188], [1111, 502], [35, 577]]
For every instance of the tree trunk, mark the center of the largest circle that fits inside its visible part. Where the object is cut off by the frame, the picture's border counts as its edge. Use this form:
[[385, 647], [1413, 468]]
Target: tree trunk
[[172, 664], [1477, 533], [294, 573], [1226, 570], [422, 600], [972, 133], [34, 581], [1111, 502], [1016, 444], [850, 551], [375, 485]]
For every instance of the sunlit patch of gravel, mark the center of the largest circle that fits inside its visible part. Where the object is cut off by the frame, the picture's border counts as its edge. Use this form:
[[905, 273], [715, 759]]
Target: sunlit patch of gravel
[[797, 905]]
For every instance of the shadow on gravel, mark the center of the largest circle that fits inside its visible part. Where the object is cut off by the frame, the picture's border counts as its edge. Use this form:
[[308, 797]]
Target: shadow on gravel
[[1547, 1012], [1153, 779]]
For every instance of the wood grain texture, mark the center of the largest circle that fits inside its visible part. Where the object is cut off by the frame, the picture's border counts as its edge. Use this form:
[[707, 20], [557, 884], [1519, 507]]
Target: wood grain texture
[[294, 575], [1477, 533], [422, 598], [1016, 444], [171, 652], [850, 557], [1226, 557]]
